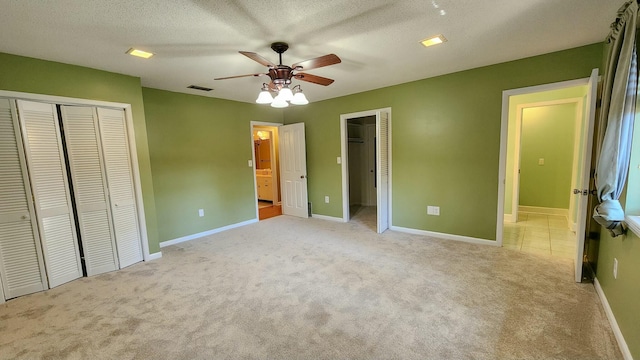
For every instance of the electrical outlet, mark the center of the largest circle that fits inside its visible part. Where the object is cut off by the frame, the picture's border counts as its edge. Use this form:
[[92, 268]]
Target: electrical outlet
[[541, 161], [615, 268], [433, 210], [201, 212], [326, 199]]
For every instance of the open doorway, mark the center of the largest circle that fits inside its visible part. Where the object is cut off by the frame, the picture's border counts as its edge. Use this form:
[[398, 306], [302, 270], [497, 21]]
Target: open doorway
[[366, 168], [545, 157], [361, 163], [266, 169]]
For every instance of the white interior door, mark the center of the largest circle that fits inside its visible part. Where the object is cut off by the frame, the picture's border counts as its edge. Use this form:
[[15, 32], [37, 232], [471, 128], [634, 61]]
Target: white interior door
[[122, 196], [382, 169], [90, 190], [293, 170], [583, 191], [50, 186], [21, 267]]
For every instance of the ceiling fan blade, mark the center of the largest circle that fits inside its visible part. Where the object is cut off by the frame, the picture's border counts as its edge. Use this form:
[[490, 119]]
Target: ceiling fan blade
[[314, 79], [238, 76], [257, 58], [318, 62]]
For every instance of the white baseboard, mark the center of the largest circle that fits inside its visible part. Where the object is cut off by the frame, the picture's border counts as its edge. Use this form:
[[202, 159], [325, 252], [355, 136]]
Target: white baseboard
[[325, 217], [509, 218], [544, 210], [154, 256], [206, 233], [445, 236], [626, 353]]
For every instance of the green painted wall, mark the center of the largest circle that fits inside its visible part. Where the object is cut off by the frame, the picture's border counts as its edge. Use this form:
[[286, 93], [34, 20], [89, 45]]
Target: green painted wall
[[199, 149], [30, 75], [547, 133], [445, 140], [515, 101], [623, 293]]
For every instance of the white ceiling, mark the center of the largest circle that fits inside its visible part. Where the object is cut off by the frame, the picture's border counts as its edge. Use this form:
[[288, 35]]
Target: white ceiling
[[377, 40]]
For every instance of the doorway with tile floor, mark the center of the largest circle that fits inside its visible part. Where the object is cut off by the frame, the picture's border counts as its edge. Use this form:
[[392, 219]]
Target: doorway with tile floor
[[540, 234]]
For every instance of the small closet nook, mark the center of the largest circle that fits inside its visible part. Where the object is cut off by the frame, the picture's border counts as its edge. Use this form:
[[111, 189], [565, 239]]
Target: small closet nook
[[67, 192]]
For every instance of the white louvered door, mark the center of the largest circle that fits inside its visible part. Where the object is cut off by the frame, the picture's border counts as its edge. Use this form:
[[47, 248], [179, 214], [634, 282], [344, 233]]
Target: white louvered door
[[80, 125], [48, 174], [21, 267], [382, 142], [115, 146]]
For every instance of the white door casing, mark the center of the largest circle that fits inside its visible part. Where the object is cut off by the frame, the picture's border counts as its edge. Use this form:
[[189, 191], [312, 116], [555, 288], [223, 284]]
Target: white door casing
[[50, 186], [120, 182], [385, 202], [592, 94], [293, 170], [382, 170], [21, 266], [90, 188]]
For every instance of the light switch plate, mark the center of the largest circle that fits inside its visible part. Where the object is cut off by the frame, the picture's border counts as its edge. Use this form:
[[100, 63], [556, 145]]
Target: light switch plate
[[541, 161], [326, 199], [250, 162], [339, 160], [201, 212]]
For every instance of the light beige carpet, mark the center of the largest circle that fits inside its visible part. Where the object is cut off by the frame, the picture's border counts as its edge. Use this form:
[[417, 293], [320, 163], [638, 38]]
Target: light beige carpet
[[289, 288]]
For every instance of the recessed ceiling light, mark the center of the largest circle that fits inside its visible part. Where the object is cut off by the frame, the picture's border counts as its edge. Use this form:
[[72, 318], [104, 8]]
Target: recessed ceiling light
[[139, 53], [434, 40]]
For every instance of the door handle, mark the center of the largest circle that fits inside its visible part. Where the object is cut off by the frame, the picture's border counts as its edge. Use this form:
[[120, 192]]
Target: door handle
[[302, 176]]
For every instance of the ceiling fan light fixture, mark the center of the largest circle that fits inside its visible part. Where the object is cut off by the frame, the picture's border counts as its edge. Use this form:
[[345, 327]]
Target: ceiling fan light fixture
[[264, 97], [286, 94], [299, 98], [279, 102], [434, 40]]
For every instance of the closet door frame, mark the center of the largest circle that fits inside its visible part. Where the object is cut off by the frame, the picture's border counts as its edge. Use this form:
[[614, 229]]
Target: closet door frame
[[61, 100]]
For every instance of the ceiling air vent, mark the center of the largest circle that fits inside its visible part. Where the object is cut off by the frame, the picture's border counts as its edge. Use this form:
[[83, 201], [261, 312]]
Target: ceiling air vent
[[201, 88]]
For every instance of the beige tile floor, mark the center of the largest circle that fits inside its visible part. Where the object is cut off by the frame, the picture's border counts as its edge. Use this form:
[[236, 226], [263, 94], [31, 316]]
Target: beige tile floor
[[540, 234]]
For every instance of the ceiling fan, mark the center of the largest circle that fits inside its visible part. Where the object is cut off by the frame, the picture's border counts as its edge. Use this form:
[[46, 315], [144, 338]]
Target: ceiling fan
[[281, 76]]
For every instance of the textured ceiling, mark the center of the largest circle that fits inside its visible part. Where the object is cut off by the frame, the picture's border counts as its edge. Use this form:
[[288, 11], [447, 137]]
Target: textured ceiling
[[377, 40]]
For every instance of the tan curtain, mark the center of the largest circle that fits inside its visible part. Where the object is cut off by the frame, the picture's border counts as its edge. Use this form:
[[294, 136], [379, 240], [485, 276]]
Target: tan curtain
[[617, 115]]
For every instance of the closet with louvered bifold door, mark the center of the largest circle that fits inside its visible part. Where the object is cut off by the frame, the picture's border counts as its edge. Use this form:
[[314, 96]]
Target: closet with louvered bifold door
[[67, 196], [90, 188], [101, 173], [21, 262], [50, 188]]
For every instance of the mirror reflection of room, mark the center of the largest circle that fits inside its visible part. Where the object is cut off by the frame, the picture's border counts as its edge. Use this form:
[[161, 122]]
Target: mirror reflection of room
[[264, 179], [262, 145]]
